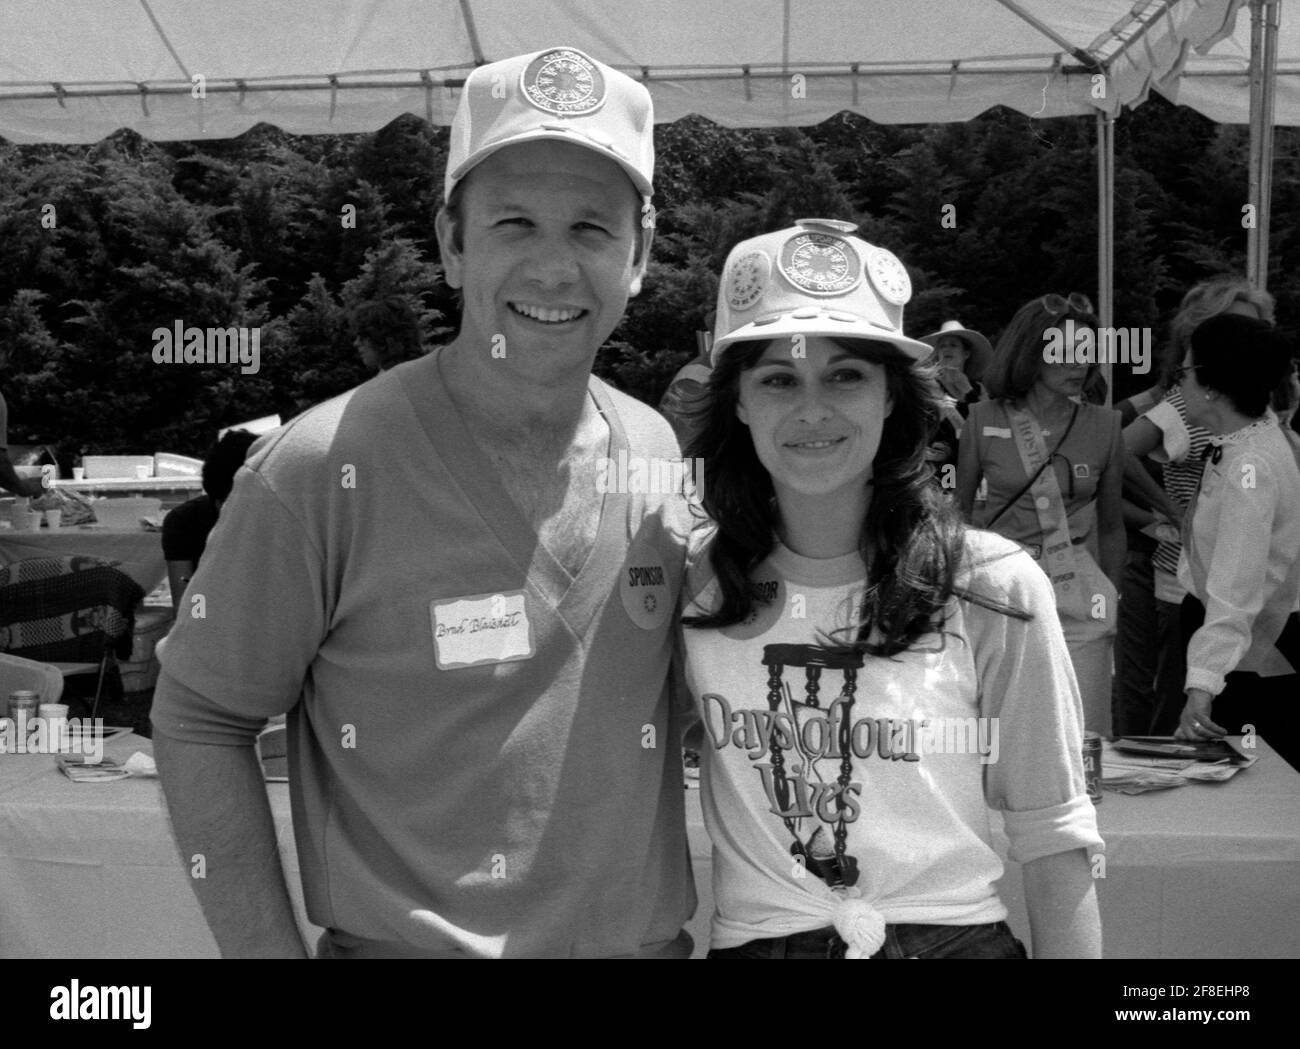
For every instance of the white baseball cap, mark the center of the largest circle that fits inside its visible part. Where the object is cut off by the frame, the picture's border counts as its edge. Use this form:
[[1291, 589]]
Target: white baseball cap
[[816, 278], [560, 94]]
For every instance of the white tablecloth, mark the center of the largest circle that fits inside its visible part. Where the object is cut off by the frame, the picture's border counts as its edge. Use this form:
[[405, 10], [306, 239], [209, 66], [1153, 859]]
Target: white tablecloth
[[91, 870], [1206, 870]]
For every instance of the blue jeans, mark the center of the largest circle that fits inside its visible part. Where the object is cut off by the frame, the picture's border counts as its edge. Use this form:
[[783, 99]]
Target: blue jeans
[[901, 941]]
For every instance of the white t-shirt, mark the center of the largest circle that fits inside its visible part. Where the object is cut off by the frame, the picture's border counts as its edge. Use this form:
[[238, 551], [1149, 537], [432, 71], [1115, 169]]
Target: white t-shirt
[[916, 819]]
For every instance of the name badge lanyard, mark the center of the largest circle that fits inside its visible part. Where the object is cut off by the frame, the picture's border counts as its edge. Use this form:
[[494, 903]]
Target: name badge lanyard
[[1057, 557]]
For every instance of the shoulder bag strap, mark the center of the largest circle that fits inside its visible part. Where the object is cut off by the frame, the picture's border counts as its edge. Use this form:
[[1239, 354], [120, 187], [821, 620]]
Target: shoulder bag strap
[[1030, 483]]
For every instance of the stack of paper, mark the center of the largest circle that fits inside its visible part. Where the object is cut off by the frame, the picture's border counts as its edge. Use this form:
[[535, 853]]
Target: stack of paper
[[1137, 767]]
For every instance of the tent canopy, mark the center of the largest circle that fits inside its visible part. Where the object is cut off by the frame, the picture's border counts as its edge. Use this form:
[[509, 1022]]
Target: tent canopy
[[78, 70], [1217, 83]]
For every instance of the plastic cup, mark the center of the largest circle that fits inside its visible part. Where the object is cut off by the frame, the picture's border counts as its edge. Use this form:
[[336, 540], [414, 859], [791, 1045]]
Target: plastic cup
[[56, 717], [54, 518], [78, 473]]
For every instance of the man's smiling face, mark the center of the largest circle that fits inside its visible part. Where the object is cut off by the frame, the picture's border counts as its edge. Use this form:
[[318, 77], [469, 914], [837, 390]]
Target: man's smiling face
[[550, 249]]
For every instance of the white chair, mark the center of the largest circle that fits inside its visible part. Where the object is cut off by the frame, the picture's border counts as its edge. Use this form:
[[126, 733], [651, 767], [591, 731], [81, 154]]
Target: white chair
[[18, 674]]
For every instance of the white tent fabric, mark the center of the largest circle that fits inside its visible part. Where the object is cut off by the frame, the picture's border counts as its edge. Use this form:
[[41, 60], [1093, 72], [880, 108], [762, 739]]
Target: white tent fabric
[[77, 70], [1215, 80]]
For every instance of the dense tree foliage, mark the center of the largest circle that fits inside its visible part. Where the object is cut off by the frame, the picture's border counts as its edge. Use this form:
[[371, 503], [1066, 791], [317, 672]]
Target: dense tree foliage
[[104, 244]]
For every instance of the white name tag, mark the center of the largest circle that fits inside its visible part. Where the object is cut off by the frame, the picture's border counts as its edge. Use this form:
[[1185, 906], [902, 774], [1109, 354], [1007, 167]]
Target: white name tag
[[996, 431], [483, 628]]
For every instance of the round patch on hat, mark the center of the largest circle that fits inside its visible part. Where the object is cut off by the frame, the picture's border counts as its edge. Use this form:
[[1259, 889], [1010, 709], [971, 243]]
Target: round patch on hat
[[748, 280], [889, 276], [820, 264], [566, 83]]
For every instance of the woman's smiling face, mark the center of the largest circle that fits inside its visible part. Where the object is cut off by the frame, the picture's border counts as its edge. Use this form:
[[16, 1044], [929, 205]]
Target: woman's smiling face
[[815, 416]]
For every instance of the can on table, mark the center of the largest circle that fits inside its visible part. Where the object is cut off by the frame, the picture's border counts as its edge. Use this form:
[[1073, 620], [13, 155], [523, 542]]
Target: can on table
[[25, 701], [1092, 765]]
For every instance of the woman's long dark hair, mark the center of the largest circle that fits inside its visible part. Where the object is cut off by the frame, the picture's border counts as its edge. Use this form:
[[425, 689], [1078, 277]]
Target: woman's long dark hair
[[912, 537]]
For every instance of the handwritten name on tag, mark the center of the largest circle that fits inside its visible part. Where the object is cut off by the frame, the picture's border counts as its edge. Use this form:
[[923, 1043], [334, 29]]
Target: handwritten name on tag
[[483, 628]]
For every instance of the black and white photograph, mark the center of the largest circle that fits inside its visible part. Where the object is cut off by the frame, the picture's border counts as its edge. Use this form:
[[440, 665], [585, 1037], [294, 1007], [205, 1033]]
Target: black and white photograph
[[562, 479]]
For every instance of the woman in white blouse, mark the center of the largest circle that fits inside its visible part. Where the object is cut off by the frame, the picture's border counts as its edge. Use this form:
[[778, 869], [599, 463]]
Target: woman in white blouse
[[1150, 686], [1241, 550]]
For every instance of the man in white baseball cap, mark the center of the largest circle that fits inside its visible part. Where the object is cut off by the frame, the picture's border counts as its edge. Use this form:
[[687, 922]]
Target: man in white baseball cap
[[471, 628]]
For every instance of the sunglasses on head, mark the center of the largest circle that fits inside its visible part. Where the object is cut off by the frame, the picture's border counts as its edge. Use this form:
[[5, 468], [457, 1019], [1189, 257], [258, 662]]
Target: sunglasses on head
[[1075, 303]]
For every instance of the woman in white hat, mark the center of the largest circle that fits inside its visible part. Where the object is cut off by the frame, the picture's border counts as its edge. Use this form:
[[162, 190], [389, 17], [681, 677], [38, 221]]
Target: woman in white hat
[[961, 355], [871, 675]]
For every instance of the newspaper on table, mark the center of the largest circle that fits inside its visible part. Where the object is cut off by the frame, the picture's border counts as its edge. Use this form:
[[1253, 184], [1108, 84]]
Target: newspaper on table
[[1135, 765], [80, 770]]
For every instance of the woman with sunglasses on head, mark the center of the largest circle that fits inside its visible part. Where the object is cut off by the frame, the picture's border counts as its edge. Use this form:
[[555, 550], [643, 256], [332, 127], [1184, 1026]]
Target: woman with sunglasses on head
[[871, 675], [1045, 470], [1241, 554]]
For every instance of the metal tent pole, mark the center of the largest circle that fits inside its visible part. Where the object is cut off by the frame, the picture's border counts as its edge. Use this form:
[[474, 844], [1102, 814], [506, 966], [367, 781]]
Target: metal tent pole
[[1106, 231], [1265, 16]]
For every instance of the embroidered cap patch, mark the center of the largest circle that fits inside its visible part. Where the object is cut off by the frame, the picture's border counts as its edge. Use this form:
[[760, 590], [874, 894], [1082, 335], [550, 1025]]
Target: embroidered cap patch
[[566, 83], [748, 280], [889, 276], [820, 264]]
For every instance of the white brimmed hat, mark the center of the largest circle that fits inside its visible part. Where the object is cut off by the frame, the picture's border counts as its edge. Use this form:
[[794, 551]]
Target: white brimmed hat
[[816, 278], [559, 94], [981, 350]]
